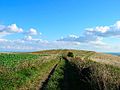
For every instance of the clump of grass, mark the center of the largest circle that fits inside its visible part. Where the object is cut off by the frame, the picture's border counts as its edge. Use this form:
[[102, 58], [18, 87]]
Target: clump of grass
[[70, 54]]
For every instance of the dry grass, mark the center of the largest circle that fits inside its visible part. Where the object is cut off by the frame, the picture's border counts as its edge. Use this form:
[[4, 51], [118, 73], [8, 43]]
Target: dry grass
[[103, 76], [106, 59]]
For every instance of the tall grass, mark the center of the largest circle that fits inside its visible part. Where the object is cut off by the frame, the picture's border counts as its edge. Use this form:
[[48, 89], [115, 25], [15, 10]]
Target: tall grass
[[103, 76]]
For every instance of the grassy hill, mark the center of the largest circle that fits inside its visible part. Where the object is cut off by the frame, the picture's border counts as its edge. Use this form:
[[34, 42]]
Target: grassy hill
[[57, 70]]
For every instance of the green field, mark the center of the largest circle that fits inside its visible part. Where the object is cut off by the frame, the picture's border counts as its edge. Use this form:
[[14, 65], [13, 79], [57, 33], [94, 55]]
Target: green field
[[59, 70]]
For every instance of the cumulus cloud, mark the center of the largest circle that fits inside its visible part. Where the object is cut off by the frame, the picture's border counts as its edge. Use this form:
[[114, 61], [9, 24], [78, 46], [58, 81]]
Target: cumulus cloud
[[20, 44], [101, 29], [13, 28], [69, 38], [3, 40], [31, 44], [28, 42], [92, 38], [32, 31], [105, 31], [28, 38], [17, 48], [96, 35], [117, 25], [82, 39]]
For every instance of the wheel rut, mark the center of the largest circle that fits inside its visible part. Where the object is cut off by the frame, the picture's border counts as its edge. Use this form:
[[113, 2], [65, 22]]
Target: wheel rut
[[48, 77], [74, 78]]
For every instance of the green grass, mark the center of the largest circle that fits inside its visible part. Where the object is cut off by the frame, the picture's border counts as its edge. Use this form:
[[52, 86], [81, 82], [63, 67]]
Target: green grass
[[10, 60], [25, 77], [56, 79], [23, 70]]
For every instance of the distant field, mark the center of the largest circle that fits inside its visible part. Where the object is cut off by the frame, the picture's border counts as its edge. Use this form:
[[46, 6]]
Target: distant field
[[59, 70], [118, 54], [106, 59]]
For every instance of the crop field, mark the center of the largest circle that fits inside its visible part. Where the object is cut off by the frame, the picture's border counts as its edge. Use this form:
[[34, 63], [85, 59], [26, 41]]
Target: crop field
[[23, 71], [59, 70]]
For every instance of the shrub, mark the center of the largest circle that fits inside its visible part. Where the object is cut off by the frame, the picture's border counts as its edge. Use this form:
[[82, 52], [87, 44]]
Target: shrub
[[70, 54]]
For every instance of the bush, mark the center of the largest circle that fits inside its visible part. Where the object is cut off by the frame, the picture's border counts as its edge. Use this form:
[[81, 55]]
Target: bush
[[70, 54]]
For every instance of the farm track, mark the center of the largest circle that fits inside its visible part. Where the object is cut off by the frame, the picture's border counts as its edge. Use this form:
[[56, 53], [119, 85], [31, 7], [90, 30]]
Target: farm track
[[46, 79], [73, 78]]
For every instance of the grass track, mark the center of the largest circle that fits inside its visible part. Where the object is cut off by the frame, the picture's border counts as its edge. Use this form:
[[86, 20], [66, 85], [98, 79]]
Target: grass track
[[66, 77]]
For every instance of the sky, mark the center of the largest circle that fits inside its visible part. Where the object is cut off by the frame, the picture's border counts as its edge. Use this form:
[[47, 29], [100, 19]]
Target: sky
[[33, 25]]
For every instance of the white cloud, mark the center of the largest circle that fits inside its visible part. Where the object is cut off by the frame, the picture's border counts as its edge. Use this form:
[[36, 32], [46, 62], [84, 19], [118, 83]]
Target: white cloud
[[69, 38], [117, 25], [13, 28], [92, 38], [32, 31], [28, 38], [29, 43], [73, 36], [3, 40], [17, 48], [82, 39], [96, 35], [105, 31], [26, 43], [102, 29]]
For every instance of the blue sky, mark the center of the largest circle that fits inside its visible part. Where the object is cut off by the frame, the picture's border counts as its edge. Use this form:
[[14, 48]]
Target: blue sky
[[28, 25]]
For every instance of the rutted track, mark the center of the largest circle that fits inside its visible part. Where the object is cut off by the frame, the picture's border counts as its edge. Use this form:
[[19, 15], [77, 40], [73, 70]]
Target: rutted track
[[69, 77], [48, 77]]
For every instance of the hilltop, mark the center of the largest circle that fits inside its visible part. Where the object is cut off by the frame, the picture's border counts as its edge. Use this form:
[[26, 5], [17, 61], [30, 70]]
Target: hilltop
[[91, 55]]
